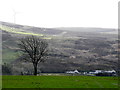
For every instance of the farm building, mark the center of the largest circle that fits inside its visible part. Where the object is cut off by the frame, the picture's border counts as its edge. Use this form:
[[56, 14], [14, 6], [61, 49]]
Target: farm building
[[72, 72], [96, 71], [103, 73]]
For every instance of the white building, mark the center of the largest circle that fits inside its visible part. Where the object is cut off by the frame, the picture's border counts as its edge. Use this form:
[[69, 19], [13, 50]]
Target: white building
[[95, 72], [112, 71], [101, 71], [72, 72]]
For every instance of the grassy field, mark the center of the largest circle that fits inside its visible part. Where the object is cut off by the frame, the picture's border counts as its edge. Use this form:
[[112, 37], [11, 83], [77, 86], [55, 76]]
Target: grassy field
[[59, 82]]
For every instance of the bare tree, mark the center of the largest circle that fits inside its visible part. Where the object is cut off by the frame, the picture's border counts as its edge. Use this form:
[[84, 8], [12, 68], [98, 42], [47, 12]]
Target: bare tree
[[35, 50]]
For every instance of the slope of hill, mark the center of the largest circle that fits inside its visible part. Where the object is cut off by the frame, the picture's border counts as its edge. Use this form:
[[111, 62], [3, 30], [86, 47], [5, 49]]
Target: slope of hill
[[69, 49]]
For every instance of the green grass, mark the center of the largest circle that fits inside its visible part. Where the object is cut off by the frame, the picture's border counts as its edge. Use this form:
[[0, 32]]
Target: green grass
[[17, 31], [59, 82], [20, 31]]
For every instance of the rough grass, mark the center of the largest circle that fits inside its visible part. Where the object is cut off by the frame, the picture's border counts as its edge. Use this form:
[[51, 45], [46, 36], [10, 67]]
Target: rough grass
[[9, 55], [59, 82]]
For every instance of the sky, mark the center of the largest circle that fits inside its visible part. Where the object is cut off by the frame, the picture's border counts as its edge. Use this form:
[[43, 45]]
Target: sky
[[61, 13]]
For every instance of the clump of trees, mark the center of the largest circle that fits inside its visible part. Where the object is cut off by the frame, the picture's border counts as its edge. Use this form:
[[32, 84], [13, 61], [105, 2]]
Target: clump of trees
[[6, 69], [34, 49]]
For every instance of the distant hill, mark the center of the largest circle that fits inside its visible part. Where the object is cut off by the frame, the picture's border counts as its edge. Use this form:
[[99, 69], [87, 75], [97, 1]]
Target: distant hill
[[87, 29]]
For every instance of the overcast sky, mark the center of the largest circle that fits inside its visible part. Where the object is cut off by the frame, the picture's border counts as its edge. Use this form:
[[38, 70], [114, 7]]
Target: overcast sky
[[61, 13]]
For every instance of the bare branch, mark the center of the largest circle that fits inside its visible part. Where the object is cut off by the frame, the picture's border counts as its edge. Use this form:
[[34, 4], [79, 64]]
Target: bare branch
[[35, 48]]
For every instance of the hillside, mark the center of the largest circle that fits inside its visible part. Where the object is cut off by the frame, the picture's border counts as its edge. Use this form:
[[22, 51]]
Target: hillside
[[69, 48]]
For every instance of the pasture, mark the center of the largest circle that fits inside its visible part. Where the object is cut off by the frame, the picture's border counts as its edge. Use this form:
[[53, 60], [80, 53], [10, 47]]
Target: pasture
[[59, 82]]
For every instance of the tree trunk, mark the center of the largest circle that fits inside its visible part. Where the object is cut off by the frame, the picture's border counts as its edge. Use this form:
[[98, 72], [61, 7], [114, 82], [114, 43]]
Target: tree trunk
[[35, 69]]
